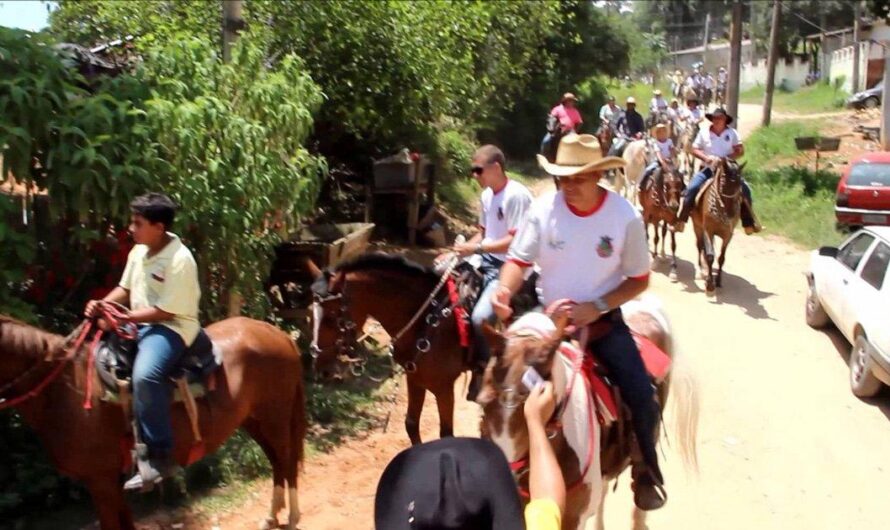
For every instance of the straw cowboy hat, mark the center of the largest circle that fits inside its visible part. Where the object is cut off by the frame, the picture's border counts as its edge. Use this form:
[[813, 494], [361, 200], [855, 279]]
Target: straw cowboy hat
[[579, 153], [631, 100], [657, 92], [569, 96]]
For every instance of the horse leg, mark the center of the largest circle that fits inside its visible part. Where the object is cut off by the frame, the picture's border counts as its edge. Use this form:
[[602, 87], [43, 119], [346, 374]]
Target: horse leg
[[655, 248], [709, 259], [600, 512], [255, 431], [416, 396], [724, 246], [445, 404], [673, 274], [664, 231], [108, 498], [639, 519]]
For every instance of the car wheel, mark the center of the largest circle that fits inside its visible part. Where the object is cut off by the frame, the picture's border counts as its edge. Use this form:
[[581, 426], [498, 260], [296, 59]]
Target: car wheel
[[862, 380], [872, 103], [817, 318]]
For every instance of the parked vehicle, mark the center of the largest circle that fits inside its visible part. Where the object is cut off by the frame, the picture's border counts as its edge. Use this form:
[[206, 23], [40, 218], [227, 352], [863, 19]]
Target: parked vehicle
[[863, 192], [867, 99], [850, 286]]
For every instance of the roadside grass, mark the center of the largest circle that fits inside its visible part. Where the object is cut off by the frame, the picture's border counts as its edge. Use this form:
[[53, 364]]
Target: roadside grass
[[791, 200], [640, 91], [813, 99]]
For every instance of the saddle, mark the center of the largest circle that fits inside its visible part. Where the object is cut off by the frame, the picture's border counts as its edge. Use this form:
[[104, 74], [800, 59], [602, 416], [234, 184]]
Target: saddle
[[704, 189]]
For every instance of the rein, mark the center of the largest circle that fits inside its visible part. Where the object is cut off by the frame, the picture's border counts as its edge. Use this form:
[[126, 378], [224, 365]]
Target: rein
[[110, 313]]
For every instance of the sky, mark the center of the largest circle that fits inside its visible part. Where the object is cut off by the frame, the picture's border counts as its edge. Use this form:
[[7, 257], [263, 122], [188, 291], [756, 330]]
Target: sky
[[24, 14]]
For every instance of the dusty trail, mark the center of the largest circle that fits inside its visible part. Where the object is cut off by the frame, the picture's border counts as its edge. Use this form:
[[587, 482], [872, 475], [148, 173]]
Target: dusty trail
[[783, 443]]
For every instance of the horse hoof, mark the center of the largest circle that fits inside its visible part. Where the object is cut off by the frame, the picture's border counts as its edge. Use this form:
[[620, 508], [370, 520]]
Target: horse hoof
[[710, 292], [268, 524], [673, 276]]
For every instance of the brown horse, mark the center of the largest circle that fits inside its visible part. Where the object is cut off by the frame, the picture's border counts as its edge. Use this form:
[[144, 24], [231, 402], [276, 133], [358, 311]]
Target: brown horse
[[716, 213], [661, 201], [684, 149], [395, 292], [605, 134], [258, 387], [503, 395]]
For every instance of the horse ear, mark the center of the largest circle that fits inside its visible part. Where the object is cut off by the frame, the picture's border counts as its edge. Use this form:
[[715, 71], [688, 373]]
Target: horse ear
[[495, 339], [313, 269], [742, 166]]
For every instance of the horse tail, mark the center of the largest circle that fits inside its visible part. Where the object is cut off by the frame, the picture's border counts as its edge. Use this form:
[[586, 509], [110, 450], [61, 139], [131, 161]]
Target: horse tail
[[299, 421]]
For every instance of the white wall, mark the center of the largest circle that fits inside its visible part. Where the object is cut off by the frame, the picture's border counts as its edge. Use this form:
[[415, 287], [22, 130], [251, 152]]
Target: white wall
[[793, 73], [716, 56], [842, 66]]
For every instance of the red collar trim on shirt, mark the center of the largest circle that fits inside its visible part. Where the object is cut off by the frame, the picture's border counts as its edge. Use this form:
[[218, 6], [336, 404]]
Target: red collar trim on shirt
[[592, 211], [502, 187]]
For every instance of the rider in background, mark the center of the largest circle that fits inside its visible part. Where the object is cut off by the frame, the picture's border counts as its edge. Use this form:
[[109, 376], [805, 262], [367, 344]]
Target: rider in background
[[590, 247], [160, 285], [692, 114], [630, 126], [609, 113], [503, 208], [657, 103], [712, 145], [565, 119]]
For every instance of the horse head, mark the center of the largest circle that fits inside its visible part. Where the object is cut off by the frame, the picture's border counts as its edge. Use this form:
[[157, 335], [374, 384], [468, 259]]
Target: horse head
[[503, 394], [332, 350], [673, 188]]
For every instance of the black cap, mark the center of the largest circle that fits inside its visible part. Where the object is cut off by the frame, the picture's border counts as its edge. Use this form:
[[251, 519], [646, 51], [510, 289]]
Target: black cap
[[454, 484]]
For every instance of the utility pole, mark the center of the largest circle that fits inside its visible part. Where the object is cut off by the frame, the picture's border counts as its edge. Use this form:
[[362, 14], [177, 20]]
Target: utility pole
[[704, 54], [885, 107], [735, 59], [857, 5], [232, 24], [771, 63]]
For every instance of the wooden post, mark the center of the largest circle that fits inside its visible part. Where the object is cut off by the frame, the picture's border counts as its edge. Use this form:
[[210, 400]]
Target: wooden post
[[735, 59], [704, 53], [232, 24], [771, 64], [856, 16]]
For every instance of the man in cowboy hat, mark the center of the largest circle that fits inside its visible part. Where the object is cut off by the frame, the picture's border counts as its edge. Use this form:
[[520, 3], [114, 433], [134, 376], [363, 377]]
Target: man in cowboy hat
[[563, 119], [609, 113], [657, 103], [589, 245], [711, 145], [692, 114], [630, 126]]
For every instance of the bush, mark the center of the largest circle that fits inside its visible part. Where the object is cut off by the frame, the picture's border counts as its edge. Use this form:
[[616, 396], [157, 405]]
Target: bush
[[454, 150]]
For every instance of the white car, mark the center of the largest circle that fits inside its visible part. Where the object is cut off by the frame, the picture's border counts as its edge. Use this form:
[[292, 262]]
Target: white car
[[850, 286]]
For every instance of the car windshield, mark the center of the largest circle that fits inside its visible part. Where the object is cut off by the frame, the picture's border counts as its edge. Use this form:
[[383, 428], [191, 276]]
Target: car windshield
[[869, 174]]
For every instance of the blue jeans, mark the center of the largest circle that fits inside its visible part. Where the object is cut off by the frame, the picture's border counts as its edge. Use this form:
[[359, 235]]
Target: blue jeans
[[618, 352], [484, 311], [159, 350], [702, 176]]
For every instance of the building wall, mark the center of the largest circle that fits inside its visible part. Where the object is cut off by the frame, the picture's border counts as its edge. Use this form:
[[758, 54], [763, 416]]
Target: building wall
[[841, 66], [716, 56], [792, 74]]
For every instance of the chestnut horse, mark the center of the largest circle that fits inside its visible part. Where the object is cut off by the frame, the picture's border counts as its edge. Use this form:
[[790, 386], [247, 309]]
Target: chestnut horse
[[258, 387], [661, 201], [394, 291], [716, 213], [587, 472]]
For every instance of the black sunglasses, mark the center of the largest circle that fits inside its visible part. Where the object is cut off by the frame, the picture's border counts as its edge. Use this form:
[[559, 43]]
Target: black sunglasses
[[477, 170]]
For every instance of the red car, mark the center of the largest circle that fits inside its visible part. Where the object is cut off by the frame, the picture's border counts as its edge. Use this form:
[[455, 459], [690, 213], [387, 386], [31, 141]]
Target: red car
[[863, 193]]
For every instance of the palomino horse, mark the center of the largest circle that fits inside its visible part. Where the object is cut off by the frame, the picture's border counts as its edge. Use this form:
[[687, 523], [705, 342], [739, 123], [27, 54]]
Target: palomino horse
[[661, 201], [605, 134], [717, 213], [403, 297], [259, 387], [586, 452], [637, 155]]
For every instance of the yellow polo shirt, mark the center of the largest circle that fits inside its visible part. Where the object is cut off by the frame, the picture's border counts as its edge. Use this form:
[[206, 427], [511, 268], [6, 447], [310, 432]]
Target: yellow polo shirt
[[542, 514], [169, 281]]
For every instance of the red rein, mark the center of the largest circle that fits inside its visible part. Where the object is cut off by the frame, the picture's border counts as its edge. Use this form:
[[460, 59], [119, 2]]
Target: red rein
[[117, 320]]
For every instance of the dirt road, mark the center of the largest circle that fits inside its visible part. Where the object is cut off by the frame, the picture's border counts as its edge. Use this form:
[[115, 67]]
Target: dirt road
[[783, 444]]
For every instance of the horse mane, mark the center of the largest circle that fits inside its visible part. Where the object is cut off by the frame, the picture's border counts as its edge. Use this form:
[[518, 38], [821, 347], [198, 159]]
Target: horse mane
[[25, 340], [374, 262]]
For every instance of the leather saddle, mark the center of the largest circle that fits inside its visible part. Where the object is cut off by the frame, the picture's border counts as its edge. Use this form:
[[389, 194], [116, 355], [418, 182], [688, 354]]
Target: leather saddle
[[116, 356]]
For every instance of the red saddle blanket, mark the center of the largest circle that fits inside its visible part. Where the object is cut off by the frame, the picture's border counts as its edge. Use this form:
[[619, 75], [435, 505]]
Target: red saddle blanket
[[658, 364]]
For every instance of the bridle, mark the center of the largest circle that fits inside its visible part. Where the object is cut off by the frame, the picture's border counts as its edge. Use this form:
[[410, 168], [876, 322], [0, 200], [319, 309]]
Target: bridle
[[108, 311], [347, 344]]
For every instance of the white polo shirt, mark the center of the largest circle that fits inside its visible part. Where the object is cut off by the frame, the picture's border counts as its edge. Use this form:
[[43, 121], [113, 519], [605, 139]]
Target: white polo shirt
[[721, 145], [169, 281], [695, 114], [581, 256], [502, 213], [665, 148]]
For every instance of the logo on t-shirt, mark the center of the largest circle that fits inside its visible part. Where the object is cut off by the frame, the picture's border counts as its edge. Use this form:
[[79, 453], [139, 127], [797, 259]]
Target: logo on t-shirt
[[605, 248]]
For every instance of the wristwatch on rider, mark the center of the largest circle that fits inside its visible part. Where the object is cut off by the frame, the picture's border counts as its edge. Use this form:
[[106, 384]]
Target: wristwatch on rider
[[479, 248], [601, 305]]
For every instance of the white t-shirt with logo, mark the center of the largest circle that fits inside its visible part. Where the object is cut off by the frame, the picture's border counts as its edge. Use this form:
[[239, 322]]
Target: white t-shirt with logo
[[581, 257], [721, 145], [503, 213], [695, 115]]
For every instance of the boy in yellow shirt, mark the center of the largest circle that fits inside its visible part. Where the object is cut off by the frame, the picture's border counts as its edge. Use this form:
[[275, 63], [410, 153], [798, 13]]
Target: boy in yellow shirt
[[160, 286]]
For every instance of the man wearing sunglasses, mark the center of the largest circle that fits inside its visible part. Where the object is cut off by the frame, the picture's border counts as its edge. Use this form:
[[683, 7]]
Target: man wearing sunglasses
[[504, 205], [589, 245]]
